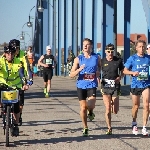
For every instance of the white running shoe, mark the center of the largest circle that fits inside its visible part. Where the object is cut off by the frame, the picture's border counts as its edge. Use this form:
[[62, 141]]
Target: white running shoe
[[135, 130], [145, 132]]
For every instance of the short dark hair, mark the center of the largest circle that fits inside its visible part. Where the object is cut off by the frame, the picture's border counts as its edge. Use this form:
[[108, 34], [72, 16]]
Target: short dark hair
[[140, 41], [110, 46], [87, 39], [30, 47]]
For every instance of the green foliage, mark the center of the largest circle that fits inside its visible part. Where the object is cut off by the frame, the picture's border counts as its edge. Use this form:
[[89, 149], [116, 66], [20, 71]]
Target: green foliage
[[132, 49]]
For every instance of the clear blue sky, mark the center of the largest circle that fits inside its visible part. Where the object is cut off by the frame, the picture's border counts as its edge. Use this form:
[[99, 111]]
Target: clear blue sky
[[14, 13]]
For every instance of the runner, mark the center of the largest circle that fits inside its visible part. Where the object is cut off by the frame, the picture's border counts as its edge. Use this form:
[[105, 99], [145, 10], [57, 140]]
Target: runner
[[137, 66], [48, 61], [30, 56], [87, 65], [110, 85]]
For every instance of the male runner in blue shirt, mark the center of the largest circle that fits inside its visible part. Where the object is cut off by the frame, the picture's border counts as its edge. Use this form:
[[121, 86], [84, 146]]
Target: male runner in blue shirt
[[138, 67], [87, 65]]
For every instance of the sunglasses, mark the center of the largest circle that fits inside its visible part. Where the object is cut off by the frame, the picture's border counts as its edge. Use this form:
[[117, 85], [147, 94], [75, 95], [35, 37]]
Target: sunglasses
[[110, 51]]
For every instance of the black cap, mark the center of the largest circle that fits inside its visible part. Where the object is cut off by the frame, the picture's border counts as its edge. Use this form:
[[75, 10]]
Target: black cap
[[8, 49], [14, 43]]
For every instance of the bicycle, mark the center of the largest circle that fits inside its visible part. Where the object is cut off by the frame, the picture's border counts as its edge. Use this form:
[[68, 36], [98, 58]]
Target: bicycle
[[8, 98]]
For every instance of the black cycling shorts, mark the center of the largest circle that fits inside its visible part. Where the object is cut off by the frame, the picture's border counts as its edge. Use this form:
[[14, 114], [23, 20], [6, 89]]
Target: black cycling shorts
[[137, 91], [83, 94], [47, 75], [16, 108]]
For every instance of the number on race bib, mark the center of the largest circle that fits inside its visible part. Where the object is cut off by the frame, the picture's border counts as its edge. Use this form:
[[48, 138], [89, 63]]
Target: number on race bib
[[89, 76], [142, 76], [48, 61], [109, 83]]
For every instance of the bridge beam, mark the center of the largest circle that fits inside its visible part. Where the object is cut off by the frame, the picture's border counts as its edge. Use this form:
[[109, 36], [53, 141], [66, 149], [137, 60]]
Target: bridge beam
[[127, 14], [107, 24]]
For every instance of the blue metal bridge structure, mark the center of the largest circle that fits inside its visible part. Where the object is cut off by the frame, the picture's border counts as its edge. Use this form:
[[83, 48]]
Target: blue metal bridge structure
[[45, 26]]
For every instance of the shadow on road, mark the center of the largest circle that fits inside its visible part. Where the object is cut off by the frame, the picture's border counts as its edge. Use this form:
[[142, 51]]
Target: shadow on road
[[39, 123]]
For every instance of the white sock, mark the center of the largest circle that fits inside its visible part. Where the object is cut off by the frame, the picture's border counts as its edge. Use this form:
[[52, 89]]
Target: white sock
[[144, 127]]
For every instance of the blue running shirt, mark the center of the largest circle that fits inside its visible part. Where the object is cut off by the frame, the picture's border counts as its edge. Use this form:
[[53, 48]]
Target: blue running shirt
[[141, 65], [87, 77]]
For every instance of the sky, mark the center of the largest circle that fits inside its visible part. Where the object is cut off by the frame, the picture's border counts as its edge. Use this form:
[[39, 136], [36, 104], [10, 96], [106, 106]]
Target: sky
[[14, 14]]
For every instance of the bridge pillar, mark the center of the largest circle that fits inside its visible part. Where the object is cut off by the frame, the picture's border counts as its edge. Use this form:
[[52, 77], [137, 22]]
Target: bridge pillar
[[127, 12], [107, 24], [94, 24]]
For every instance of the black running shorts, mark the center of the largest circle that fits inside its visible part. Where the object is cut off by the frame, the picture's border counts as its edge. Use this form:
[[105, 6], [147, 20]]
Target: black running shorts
[[83, 94]]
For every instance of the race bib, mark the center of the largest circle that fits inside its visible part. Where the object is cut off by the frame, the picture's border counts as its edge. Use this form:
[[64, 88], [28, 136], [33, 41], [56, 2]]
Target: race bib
[[142, 76], [48, 61], [89, 76], [109, 83]]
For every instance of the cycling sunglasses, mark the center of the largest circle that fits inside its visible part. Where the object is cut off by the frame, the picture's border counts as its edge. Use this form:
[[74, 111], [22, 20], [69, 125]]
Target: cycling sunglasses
[[112, 51]]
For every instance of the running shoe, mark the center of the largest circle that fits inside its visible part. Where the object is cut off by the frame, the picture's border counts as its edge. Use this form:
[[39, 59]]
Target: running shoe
[[91, 116], [47, 95], [109, 132], [145, 132], [85, 132], [135, 130], [45, 90]]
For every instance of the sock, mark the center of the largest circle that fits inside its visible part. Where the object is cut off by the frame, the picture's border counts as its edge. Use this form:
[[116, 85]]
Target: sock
[[134, 123], [144, 127], [90, 112]]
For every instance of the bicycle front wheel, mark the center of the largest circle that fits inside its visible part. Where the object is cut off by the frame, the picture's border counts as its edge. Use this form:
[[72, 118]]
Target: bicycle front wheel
[[7, 125]]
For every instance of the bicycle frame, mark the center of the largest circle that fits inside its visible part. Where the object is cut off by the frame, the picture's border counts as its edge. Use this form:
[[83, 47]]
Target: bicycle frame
[[11, 116]]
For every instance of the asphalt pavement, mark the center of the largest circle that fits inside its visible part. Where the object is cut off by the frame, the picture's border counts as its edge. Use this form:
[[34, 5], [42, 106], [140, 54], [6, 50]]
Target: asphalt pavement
[[54, 123]]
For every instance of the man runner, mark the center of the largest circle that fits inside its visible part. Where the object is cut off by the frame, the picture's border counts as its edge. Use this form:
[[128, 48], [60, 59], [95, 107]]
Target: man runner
[[87, 65], [137, 66]]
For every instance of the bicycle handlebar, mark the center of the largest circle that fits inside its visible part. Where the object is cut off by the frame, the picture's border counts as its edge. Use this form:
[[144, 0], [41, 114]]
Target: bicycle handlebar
[[6, 87]]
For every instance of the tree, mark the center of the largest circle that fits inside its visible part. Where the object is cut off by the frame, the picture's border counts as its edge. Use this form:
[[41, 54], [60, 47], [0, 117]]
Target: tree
[[132, 48]]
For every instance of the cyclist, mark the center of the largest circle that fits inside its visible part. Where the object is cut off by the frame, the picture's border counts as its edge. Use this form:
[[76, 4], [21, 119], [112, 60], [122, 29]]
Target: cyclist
[[137, 66], [21, 55], [87, 66], [110, 85], [47, 62], [12, 74]]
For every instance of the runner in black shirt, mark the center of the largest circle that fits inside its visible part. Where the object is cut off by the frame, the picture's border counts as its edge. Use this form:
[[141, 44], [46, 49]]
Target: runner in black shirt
[[48, 61], [112, 68]]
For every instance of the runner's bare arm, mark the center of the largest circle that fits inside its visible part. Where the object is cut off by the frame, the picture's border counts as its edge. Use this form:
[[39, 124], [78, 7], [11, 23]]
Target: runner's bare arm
[[40, 61], [127, 71], [75, 68]]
